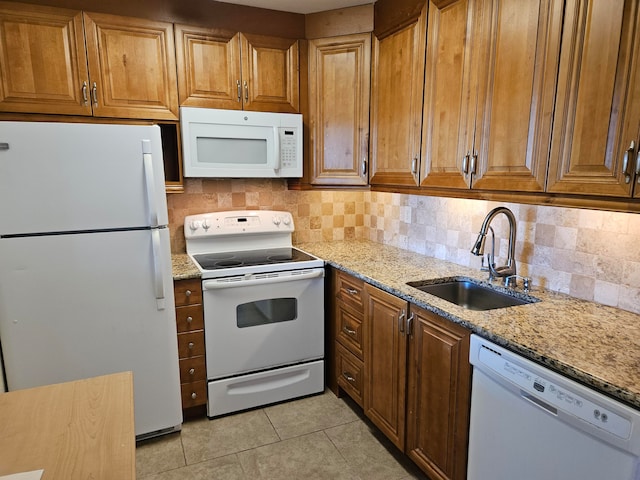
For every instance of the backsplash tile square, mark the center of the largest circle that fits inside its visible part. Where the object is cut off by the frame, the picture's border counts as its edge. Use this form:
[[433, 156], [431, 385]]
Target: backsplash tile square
[[594, 255]]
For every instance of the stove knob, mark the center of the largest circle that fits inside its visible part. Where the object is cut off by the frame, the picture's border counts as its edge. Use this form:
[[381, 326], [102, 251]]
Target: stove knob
[[205, 224], [276, 220], [194, 225], [286, 220]]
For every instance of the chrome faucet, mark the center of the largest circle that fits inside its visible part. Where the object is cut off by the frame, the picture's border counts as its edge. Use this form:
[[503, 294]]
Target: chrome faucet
[[509, 269]]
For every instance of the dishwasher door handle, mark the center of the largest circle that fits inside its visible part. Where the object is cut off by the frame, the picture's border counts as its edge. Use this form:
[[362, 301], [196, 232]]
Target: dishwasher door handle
[[539, 403]]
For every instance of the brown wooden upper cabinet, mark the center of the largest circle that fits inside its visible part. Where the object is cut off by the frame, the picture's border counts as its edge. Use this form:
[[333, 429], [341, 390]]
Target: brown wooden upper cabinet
[[396, 104], [111, 67], [339, 86], [489, 93], [596, 129], [223, 69]]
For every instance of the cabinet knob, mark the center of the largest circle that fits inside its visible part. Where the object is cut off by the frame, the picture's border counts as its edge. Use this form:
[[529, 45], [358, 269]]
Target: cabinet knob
[[191, 345], [352, 291], [194, 395], [188, 293], [192, 371], [189, 319], [348, 376], [348, 331]]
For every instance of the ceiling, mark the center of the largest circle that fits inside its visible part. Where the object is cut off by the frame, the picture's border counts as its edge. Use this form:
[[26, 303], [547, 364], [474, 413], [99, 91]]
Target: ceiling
[[300, 6]]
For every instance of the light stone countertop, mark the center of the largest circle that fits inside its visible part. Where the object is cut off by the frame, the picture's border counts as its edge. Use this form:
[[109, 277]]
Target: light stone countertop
[[183, 267], [597, 345]]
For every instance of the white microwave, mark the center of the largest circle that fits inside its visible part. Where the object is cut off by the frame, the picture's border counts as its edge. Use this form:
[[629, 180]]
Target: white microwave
[[238, 143]]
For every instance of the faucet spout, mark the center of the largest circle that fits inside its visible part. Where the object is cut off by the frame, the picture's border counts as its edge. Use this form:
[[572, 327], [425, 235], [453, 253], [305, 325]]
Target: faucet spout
[[509, 269]]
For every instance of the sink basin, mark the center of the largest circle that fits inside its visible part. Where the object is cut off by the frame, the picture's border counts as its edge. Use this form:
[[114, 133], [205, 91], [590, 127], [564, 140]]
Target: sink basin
[[470, 295]]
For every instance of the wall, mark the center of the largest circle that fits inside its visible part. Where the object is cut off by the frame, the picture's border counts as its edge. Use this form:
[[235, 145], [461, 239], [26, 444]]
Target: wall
[[594, 255]]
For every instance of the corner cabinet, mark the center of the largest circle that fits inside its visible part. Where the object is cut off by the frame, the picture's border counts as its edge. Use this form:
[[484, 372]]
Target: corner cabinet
[[396, 104], [339, 87], [409, 370], [223, 69], [597, 120], [59, 61], [489, 93]]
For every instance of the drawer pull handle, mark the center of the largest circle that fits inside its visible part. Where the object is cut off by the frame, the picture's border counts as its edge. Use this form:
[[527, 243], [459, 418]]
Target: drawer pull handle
[[188, 293], [189, 319], [352, 291], [192, 371], [194, 395], [348, 331], [191, 345], [349, 378]]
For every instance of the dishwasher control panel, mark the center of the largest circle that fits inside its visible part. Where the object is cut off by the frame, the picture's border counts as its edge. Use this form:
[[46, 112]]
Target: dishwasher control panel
[[551, 392]]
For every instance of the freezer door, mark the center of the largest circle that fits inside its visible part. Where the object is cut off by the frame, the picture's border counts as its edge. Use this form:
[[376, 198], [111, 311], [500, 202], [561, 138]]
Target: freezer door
[[71, 176], [77, 306]]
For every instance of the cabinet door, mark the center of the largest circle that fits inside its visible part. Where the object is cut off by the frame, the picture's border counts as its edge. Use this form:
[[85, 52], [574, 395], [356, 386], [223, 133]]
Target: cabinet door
[[208, 62], [438, 396], [132, 67], [518, 61], [396, 105], [43, 64], [450, 94], [270, 73], [385, 358], [597, 114], [339, 79]]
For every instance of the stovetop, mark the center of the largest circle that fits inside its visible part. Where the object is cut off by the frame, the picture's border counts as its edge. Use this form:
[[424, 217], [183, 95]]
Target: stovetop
[[216, 261], [241, 243]]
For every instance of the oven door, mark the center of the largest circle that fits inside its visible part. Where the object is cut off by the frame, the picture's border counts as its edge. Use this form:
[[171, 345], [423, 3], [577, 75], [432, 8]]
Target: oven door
[[262, 321]]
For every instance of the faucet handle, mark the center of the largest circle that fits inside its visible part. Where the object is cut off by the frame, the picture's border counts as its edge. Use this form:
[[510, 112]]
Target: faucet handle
[[512, 282]]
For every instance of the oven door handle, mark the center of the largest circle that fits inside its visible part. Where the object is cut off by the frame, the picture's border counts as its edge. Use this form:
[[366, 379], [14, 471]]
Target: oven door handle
[[217, 285]]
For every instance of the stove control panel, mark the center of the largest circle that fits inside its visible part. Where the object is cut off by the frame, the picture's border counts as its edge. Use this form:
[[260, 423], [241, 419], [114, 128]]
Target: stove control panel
[[240, 222]]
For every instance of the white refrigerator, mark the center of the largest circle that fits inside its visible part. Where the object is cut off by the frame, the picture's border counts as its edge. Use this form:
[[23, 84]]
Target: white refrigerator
[[86, 286]]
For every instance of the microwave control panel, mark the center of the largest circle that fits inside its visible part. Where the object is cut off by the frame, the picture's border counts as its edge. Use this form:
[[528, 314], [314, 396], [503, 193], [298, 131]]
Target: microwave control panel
[[288, 146]]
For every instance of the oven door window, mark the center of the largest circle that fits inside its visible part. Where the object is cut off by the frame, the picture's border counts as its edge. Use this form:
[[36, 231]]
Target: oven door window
[[264, 312]]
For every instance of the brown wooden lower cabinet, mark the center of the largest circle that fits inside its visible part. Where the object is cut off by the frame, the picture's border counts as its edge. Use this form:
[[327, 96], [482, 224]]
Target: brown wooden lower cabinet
[[385, 362], [414, 379], [191, 345], [438, 398]]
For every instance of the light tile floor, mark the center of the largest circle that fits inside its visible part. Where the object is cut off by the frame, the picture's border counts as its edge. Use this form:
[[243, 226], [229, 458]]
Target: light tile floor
[[314, 438]]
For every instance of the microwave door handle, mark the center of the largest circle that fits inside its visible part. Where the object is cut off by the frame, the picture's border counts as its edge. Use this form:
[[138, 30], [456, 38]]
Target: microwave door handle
[[276, 138]]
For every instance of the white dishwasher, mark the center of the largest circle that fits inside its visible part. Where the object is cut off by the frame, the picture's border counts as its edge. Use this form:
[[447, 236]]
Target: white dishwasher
[[528, 423]]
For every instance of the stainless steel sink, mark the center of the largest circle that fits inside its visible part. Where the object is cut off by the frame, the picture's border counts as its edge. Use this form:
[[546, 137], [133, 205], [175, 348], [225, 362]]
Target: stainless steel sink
[[470, 295]]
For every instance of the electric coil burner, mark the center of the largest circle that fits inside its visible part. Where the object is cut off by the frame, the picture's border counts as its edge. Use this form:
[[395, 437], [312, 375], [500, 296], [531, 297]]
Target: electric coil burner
[[263, 304]]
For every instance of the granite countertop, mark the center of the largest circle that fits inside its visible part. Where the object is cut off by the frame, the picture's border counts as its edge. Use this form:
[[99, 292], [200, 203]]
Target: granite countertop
[[183, 267], [592, 343]]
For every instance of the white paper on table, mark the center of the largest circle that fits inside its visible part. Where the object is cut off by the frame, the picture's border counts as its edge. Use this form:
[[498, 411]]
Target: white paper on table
[[34, 475]]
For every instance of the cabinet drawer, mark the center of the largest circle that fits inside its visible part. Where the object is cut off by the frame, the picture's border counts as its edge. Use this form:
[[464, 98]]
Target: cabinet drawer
[[191, 344], [350, 290], [192, 369], [194, 394], [349, 329], [349, 371], [187, 292], [189, 318]]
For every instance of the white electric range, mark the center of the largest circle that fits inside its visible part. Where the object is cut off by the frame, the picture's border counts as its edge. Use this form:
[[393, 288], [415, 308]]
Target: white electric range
[[263, 304]]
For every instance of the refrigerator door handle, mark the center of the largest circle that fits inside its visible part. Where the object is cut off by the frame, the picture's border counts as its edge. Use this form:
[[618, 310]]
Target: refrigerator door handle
[[158, 268], [149, 176]]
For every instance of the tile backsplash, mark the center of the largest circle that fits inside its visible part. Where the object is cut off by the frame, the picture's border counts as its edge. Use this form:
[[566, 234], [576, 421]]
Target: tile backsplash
[[594, 255]]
